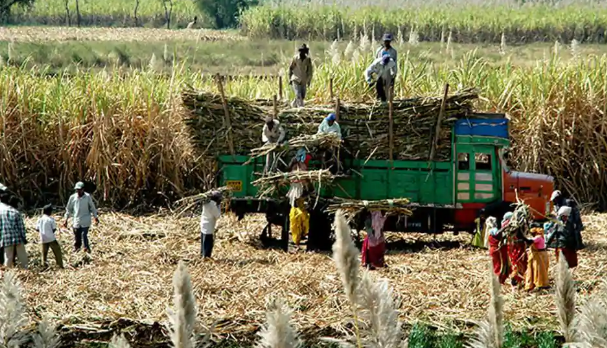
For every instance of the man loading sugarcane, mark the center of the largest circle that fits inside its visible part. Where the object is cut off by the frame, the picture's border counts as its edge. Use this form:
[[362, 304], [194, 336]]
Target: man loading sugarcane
[[385, 69], [272, 133], [330, 125], [300, 75], [387, 47]]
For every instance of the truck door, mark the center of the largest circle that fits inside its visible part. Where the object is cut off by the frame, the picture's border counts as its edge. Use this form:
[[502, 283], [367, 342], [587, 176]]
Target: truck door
[[476, 179]]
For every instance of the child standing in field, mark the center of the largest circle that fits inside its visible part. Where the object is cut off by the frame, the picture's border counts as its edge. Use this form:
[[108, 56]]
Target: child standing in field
[[46, 226]]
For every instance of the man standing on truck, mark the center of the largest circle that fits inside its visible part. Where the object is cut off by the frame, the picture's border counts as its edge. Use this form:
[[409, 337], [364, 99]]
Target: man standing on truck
[[385, 69], [329, 125], [559, 201], [300, 75], [272, 133]]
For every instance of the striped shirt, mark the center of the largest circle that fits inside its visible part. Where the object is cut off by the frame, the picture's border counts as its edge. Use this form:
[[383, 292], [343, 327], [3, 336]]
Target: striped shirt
[[12, 228]]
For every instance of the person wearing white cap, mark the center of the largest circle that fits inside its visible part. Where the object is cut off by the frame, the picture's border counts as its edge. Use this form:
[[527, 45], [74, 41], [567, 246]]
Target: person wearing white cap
[[208, 221], [559, 200], [561, 237], [80, 207]]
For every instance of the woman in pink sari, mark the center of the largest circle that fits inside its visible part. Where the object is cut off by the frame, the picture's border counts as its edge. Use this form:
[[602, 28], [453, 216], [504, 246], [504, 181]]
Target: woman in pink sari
[[374, 245]]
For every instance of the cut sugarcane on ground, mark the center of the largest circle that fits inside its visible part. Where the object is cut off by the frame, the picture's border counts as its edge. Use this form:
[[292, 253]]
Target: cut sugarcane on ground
[[440, 280], [364, 126]]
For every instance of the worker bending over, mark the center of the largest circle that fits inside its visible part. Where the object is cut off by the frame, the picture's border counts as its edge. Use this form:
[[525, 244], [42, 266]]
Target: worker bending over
[[384, 68], [272, 133]]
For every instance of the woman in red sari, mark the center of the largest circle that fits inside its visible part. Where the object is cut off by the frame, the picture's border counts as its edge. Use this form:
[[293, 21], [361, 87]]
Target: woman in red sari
[[517, 252], [498, 251], [374, 245]]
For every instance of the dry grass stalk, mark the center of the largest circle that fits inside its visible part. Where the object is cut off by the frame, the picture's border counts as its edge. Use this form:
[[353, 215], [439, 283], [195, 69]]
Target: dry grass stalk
[[351, 207], [490, 332], [345, 256], [12, 311], [592, 321], [278, 333], [378, 310], [183, 317], [119, 342], [565, 300], [47, 336]]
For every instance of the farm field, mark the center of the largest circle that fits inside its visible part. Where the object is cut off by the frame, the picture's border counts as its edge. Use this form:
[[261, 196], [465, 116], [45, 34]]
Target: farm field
[[103, 103], [227, 52], [469, 21], [441, 281]]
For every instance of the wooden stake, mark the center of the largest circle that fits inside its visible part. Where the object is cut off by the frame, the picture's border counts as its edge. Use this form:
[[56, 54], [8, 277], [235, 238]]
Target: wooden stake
[[280, 87], [226, 113], [391, 125], [438, 123], [331, 88], [275, 104], [337, 109]]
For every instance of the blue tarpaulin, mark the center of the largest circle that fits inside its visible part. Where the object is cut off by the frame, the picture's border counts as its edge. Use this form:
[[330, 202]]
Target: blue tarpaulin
[[485, 127]]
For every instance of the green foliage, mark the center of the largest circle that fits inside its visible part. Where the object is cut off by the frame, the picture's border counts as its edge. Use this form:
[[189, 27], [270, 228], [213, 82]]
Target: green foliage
[[7, 5], [224, 13], [421, 337], [546, 340]]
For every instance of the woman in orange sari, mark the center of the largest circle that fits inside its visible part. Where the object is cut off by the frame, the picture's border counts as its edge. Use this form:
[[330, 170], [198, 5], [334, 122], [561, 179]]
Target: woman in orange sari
[[537, 268]]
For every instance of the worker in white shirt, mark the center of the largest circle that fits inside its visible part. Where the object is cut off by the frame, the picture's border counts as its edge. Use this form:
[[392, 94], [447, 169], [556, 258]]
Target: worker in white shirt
[[80, 207], [272, 133], [385, 70], [210, 214], [330, 125]]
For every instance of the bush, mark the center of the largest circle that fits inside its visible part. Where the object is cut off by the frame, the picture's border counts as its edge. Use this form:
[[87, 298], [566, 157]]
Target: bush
[[224, 13]]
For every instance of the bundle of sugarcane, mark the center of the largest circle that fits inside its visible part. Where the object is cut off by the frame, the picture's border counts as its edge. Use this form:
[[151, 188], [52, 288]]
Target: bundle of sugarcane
[[270, 184], [396, 206], [365, 128], [521, 219], [188, 203], [308, 141]]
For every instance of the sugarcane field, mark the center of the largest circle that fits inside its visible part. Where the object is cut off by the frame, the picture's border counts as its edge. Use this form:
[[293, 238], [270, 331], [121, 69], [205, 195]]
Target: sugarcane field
[[220, 173]]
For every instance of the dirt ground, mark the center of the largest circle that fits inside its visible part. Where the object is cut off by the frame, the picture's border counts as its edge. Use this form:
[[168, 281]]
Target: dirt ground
[[440, 280]]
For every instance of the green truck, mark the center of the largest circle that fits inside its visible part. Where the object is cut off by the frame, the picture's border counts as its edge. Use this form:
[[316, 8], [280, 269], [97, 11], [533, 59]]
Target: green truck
[[445, 195]]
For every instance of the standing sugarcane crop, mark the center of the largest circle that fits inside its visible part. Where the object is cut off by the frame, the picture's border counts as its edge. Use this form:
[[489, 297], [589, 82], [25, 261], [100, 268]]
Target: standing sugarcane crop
[[273, 133], [300, 75], [385, 69]]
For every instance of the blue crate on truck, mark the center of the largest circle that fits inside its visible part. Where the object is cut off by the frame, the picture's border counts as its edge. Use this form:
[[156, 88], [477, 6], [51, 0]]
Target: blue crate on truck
[[482, 127]]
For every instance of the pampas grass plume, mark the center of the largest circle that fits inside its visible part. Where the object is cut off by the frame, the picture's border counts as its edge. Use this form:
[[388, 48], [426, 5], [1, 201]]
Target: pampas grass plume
[[12, 310], [47, 336], [382, 329], [345, 255], [182, 318], [565, 299], [278, 333], [119, 342], [490, 332]]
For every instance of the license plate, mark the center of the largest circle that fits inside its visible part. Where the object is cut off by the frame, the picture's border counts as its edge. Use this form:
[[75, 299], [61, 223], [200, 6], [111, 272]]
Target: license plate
[[234, 185]]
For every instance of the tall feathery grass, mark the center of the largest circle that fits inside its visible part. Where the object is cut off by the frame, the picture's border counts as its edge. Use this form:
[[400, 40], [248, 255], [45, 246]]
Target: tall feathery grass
[[182, 317], [125, 129], [278, 332], [469, 21], [565, 300], [490, 332]]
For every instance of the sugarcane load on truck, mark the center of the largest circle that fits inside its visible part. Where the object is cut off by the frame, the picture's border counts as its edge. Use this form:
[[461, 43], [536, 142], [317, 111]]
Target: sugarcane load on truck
[[436, 153]]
